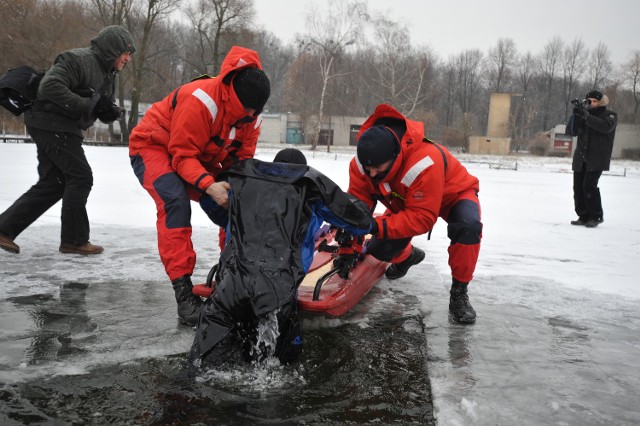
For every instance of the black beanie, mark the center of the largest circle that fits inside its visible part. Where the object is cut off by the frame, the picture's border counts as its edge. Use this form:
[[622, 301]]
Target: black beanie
[[290, 155], [376, 146], [252, 87], [594, 94]]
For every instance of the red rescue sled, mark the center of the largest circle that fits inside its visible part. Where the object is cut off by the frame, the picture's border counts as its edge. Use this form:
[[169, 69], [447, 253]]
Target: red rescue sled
[[323, 291]]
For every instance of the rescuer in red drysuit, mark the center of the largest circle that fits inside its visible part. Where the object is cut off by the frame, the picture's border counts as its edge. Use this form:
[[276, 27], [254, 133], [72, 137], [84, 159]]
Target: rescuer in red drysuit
[[418, 181], [179, 147]]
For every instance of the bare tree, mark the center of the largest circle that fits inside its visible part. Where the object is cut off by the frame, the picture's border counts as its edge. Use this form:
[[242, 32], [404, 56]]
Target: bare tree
[[631, 77], [142, 21], [448, 85], [212, 19], [468, 69], [400, 72], [572, 70], [600, 66], [276, 60], [521, 121], [329, 36], [33, 32], [501, 60], [549, 62], [112, 12], [353, 94], [300, 86], [523, 112], [526, 67]]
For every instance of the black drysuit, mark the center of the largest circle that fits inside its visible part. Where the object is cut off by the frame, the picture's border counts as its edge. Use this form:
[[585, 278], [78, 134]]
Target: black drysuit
[[274, 212]]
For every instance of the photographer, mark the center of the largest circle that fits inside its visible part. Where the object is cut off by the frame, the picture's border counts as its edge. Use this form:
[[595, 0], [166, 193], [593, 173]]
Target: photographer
[[595, 127], [77, 90]]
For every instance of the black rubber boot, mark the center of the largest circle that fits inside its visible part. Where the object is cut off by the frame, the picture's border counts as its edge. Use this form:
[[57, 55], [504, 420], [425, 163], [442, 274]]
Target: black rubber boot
[[188, 303], [592, 223], [581, 221], [399, 270], [459, 307]]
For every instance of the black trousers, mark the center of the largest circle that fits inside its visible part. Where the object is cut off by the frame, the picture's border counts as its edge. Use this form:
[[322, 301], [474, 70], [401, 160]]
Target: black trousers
[[586, 194], [64, 173]]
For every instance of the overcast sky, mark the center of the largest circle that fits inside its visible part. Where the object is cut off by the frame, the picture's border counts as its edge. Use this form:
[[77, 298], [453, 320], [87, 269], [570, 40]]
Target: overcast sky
[[450, 27]]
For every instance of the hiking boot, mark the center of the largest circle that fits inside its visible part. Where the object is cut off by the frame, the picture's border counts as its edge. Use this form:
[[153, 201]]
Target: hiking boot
[[188, 303], [592, 223], [399, 270], [86, 248], [459, 307], [7, 244], [580, 222]]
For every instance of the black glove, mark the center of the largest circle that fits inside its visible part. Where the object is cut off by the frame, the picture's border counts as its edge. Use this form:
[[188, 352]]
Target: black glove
[[584, 114], [343, 238], [581, 112], [106, 111], [344, 263]]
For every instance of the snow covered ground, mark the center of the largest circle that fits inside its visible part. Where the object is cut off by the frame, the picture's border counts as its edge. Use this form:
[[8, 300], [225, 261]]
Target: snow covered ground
[[557, 338]]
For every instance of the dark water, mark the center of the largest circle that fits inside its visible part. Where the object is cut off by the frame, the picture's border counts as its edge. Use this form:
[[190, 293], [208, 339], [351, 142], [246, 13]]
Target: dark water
[[369, 367]]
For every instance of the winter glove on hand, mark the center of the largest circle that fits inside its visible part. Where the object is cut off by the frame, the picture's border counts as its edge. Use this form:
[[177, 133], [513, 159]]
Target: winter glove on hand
[[343, 238], [582, 113], [104, 104], [106, 111]]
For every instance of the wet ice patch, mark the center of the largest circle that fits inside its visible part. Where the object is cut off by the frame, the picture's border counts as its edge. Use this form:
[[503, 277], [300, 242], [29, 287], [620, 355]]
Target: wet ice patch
[[469, 407]]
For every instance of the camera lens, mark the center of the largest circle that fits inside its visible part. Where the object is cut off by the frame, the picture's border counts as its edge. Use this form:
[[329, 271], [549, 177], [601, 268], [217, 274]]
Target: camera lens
[[588, 102]]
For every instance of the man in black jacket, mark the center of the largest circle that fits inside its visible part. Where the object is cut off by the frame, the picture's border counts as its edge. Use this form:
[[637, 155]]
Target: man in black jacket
[[275, 210], [76, 91], [595, 127]]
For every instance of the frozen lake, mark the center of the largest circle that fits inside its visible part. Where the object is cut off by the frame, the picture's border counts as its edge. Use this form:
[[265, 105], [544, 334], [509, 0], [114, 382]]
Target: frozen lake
[[96, 340]]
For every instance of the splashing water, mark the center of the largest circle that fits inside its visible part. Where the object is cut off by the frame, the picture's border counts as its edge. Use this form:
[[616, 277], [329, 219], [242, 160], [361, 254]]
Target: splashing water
[[265, 373], [267, 376], [267, 337]]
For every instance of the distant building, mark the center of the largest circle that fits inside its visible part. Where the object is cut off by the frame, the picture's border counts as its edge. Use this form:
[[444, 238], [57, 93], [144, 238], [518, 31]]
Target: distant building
[[560, 144], [497, 140], [289, 128]]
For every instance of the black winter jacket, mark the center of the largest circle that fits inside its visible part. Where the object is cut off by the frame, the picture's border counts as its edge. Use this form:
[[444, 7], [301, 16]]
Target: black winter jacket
[[274, 212], [595, 134], [270, 213], [71, 88]]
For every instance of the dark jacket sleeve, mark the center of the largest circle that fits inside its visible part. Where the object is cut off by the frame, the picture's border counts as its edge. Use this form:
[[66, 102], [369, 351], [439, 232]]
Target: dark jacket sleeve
[[574, 126], [58, 86], [605, 123], [341, 209], [326, 214]]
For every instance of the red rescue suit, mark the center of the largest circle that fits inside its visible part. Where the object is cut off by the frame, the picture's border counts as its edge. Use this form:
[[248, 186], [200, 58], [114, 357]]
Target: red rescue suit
[[424, 183], [182, 143]]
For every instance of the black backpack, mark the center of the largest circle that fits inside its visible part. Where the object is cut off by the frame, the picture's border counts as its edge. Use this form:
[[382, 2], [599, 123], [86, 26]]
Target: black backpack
[[18, 88]]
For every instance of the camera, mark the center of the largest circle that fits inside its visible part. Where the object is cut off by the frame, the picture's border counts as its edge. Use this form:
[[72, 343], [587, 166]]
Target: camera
[[581, 103]]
